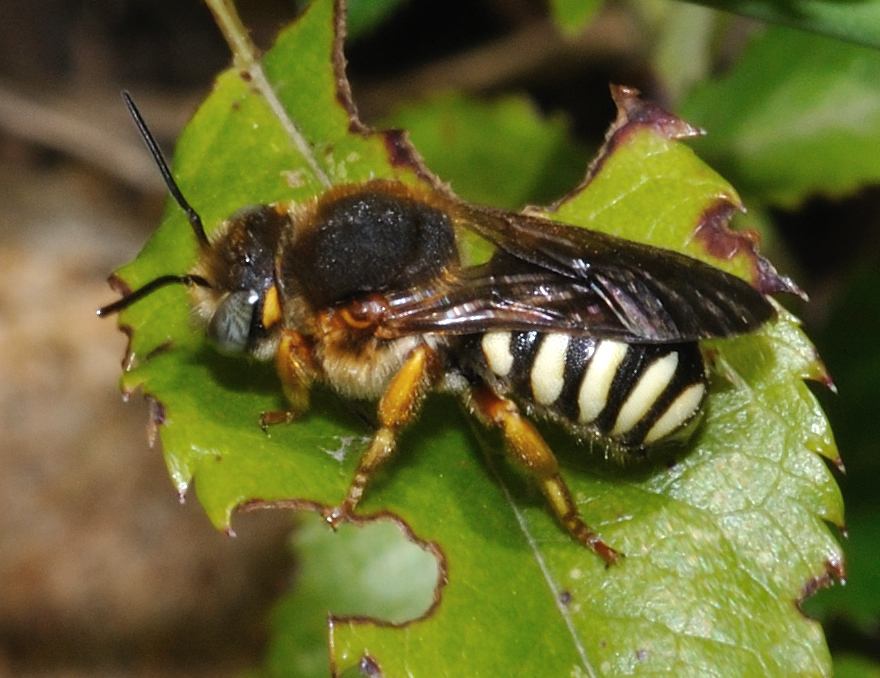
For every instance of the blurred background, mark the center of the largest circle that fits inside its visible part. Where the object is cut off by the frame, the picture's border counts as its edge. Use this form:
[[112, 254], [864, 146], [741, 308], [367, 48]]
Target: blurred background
[[102, 570]]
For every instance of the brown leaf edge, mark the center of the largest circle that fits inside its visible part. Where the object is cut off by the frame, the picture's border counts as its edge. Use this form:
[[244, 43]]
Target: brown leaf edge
[[713, 228], [401, 152], [835, 573]]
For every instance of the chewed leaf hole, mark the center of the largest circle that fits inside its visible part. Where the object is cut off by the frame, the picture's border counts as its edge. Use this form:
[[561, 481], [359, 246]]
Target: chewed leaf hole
[[366, 570], [370, 569]]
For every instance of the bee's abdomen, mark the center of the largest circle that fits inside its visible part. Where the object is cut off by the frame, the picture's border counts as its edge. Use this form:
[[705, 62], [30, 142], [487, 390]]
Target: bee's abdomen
[[634, 394]]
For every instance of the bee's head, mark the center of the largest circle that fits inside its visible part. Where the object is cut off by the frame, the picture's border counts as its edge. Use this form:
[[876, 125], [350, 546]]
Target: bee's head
[[241, 307], [233, 283]]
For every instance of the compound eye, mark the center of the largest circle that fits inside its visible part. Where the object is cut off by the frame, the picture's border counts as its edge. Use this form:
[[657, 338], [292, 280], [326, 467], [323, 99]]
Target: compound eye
[[230, 325]]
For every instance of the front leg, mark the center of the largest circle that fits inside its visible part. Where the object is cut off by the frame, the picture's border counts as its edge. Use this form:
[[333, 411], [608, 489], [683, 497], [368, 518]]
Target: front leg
[[296, 369], [400, 404]]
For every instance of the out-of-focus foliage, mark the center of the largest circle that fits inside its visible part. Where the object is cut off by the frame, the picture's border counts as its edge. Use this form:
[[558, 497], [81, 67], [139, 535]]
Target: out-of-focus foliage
[[573, 15], [855, 21], [850, 342], [793, 96], [364, 15], [464, 140], [854, 666]]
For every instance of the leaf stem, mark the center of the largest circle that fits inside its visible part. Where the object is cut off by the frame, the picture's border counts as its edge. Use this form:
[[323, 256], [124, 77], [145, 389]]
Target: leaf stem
[[244, 52], [246, 58]]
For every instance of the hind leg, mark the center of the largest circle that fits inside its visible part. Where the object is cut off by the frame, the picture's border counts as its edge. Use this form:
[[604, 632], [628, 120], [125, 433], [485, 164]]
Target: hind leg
[[526, 448]]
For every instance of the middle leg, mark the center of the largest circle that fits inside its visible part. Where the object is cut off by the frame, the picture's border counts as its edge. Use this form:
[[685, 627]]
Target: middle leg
[[399, 405]]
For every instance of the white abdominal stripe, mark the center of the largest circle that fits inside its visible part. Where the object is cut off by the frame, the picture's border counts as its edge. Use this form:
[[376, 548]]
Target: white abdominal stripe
[[635, 394]]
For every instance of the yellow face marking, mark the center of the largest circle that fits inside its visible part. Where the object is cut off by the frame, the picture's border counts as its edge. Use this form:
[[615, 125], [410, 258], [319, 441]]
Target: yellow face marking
[[548, 370], [681, 409], [496, 350], [271, 308], [593, 393], [652, 383]]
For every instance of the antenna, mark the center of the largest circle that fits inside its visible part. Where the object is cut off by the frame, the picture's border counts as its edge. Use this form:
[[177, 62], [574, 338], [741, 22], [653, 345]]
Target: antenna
[[194, 219], [149, 288]]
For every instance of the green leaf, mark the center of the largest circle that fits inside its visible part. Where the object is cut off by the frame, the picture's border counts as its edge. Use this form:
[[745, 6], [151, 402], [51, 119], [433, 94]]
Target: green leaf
[[857, 21], [710, 542], [794, 96], [719, 545]]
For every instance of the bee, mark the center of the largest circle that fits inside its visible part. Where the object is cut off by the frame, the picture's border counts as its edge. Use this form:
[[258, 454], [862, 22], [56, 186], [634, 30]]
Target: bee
[[362, 289]]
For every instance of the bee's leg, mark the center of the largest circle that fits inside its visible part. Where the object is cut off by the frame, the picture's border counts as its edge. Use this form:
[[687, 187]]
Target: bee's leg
[[526, 447], [296, 369], [399, 405]]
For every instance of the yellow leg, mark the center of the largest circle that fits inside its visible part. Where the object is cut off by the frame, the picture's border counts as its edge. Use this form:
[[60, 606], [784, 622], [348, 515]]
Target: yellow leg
[[296, 370], [527, 449], [399, 406]]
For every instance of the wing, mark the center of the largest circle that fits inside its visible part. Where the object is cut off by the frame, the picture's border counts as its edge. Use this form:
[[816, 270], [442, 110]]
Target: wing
[[555, 277]]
